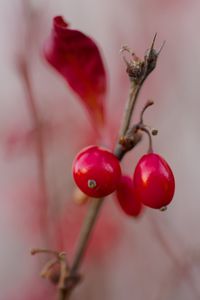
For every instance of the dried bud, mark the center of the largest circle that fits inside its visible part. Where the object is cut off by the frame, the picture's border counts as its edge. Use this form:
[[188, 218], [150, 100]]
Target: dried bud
[[154, 132], [151, 57], [139, 69], [135, 70], [53, 273]]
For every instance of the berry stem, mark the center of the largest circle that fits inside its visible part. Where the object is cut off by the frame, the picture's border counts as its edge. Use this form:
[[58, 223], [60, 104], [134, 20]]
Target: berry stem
[[150, 149], [149, 103]]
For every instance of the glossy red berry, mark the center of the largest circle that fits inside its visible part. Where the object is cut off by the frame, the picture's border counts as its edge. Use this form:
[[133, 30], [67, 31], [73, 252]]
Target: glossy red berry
[[96, 171], [154, 181], [126, 197]]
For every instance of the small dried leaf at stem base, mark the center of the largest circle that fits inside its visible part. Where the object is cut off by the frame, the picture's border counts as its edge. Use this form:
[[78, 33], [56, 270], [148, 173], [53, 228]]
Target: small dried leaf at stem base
[[79, 197], [76, 57]]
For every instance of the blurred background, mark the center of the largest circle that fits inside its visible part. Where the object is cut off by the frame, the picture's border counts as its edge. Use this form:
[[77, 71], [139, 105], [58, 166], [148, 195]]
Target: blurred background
[[155, 257]]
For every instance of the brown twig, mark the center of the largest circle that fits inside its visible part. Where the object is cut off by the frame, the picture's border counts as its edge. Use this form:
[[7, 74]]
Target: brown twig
[[133, 95], [46, 251], [82, 243], [138, 70], [85, 233], [133, 135]]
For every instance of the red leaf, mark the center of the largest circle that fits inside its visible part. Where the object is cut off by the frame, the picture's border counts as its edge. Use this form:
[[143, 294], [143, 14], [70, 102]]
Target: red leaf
[[76, 57]]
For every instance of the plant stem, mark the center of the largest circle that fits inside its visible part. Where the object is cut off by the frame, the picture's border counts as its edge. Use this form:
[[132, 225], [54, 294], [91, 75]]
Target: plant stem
[[96, 204], [85, 233], [130, 105], [64, 294], [147, 66], [84, 237]]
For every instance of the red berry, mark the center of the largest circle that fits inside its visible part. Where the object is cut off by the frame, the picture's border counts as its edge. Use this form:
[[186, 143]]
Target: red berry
[[127, 198], [154, 181], [96, 171]]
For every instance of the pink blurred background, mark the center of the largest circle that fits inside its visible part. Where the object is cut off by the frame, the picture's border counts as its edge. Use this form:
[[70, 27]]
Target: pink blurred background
[[155, 257]]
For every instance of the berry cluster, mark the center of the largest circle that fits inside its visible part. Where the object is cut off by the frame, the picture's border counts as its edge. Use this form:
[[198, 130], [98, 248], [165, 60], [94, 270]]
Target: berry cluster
[[97, 173]]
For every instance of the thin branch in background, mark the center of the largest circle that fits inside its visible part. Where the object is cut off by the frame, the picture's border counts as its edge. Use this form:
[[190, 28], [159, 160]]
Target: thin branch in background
[[40, 151], [181, 264], [23, 66], [172, 281]]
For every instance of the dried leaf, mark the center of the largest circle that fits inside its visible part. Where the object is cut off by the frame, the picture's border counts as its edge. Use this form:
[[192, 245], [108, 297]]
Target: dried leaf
[[76, 57]]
